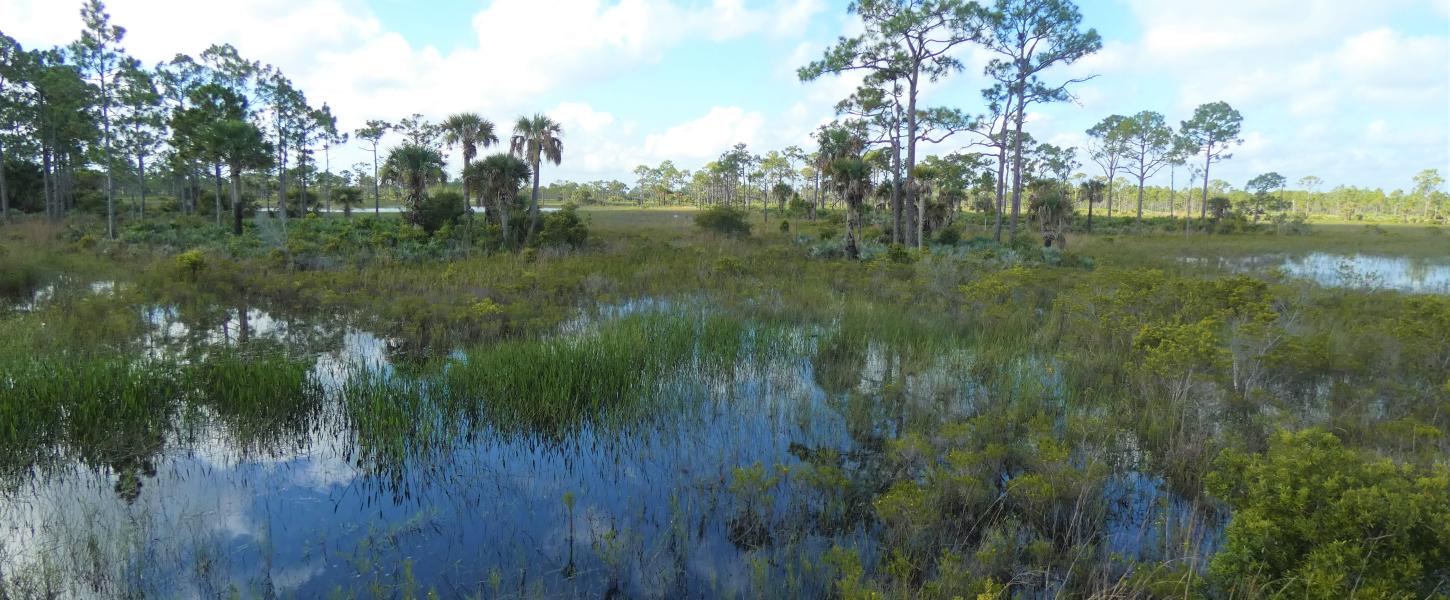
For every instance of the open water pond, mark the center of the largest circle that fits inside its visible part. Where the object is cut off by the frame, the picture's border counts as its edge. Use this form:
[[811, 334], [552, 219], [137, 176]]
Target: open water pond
[[1416, 275], [388, 477]]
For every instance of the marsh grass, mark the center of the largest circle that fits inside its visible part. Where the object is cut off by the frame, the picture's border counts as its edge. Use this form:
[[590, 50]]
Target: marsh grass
[[113, 409], [263, 398], [605, 376]]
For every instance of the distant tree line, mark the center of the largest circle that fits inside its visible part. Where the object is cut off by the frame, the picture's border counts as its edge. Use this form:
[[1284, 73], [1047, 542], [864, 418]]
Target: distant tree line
[[88, 127]]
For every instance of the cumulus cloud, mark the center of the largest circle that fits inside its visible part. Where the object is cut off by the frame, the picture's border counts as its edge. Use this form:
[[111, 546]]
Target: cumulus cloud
[[707, 136]]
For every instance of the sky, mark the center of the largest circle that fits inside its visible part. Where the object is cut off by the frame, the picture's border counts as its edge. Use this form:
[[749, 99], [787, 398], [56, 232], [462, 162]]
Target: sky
[[1355, 92]]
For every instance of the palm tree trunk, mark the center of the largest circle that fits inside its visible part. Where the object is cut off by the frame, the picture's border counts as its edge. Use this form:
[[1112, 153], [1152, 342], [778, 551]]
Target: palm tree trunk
[[533, 207], [503, 219]]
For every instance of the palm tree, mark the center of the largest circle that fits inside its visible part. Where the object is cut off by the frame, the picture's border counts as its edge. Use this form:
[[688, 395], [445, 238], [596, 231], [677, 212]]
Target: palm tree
[[469, 132], [498, 179], [1092, 191], [1052, 208], [414, 168], [852, 176], [537, 138]]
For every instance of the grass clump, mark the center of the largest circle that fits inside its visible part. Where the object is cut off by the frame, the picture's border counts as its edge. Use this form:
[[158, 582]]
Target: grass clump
[[555, 383], [110, 408]]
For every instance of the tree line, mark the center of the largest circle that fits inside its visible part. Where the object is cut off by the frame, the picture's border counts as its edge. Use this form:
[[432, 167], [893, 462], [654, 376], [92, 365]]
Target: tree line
[[870, 151], [82, 123]]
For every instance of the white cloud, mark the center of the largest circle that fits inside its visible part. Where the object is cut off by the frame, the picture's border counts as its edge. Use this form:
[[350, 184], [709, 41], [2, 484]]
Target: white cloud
[[708, 136], [790, 16], [592, 139]]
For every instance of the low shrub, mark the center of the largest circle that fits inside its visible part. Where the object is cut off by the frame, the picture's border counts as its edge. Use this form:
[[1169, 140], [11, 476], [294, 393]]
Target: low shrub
[[563, 228], [723, 220], [949, 236]]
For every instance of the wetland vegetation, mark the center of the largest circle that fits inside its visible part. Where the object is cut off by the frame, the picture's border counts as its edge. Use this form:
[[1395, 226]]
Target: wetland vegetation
[[671, 411], [844, 373]]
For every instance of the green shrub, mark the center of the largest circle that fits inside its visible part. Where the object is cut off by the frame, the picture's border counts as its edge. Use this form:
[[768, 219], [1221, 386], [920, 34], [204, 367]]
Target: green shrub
[[433, 211], [563, 228], [191, 262], [723, 220], [898, 254], [796, 207], [1313, 519], [949, 236], [1052, 255], [728, 265]]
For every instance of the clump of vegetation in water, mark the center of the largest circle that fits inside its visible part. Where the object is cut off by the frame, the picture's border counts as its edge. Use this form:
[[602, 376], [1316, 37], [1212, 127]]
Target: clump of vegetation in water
[[111, 408]]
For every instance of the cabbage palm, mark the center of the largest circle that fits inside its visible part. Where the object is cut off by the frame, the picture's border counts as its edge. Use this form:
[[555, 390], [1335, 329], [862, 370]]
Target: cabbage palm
[[469, 132], [414, 168], [1052, 209], [852, 176], [498, 179], [536, 139]]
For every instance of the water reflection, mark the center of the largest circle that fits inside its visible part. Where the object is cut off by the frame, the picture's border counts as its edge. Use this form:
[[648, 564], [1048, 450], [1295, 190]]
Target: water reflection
[[297, 497], [1416, 275]]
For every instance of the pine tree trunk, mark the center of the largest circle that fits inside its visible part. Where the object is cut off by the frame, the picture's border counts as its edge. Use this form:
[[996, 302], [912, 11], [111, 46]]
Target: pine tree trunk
[[1172, 190], [4, 192], [1002, 169], [1140, 200], [1203, 202], [816, 195], [1111, 177], [1017, 161], [911, 129], [282, 181], [236, 201], [141, 182], [110, 165], [47, 182], [217, 192], [896, 208]]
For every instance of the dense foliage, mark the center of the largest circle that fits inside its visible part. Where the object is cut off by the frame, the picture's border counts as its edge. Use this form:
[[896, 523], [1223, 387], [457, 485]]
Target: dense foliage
[[723, 220]]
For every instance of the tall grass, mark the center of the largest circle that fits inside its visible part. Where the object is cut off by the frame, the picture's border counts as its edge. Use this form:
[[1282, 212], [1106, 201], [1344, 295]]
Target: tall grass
[[109, 407]]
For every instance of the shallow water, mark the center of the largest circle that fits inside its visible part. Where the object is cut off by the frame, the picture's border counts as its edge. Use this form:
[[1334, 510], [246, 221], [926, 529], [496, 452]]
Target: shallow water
[[312, 505], [1415, 275]]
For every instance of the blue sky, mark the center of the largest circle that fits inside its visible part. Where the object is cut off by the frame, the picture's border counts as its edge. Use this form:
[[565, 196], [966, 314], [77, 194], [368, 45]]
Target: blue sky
[[1357, 93]]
